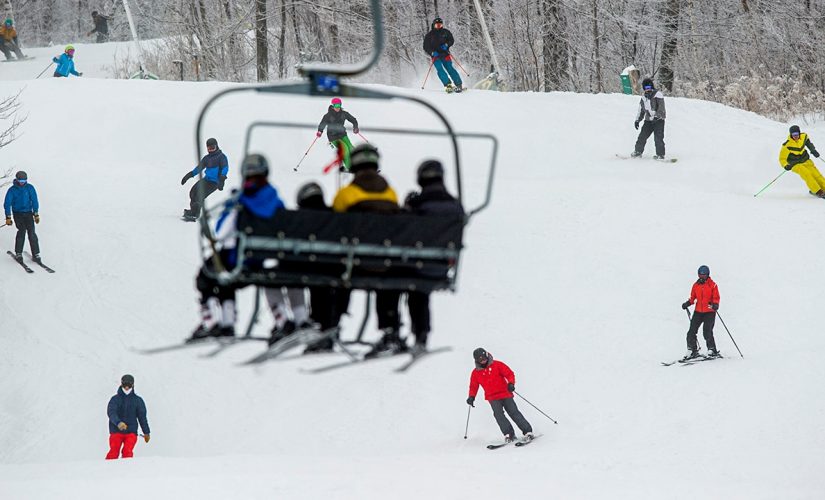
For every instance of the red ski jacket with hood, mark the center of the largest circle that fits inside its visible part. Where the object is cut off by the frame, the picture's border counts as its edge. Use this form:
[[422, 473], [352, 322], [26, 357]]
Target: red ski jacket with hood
[[704, 294], [494, 379]]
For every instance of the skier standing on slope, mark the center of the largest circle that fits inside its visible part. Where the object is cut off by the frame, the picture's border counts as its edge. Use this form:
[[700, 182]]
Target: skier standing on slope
[[705, 294], [65, 63], [432, 200], [215, 168], [101, 27], [499, 383], [333, 121], [21, 200], [8, 41], [794, 156], [437, 43], [259, 199], [125, 410], [652, 111]]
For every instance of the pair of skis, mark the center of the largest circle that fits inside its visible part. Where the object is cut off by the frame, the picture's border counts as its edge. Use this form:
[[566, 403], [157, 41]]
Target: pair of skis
[[354, 361], [518, 443], [26, 266], [691, 361], [663, 160], [300, 338]]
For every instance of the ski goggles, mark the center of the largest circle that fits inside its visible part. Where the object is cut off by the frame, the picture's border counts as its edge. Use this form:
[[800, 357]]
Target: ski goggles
[[336, 106], [795, 135], [648, 87]]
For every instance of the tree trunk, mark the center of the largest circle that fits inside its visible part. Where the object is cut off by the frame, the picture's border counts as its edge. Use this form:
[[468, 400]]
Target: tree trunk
[[669, 47], [282, 42], [554, 50], [261, 42], [597, 56]]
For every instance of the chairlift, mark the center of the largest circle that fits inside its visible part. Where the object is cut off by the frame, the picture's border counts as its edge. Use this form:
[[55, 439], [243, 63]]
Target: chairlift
[[363, 251]]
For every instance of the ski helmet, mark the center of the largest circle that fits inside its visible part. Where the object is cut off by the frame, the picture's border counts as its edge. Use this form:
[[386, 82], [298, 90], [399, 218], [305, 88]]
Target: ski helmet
[[438, 20], [21, 175], [8, 21], [127, 380], [647, 84], [364, 156], [94, 13], [481, 357], [703, 270], [429, 171], [254, 164], [69, 48], [794, 130], [212, 142], [308, 193], [336, 101]]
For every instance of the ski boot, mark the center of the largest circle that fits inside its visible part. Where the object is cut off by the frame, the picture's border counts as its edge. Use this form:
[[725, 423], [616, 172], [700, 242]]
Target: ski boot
[[635, 154], [449, 88], [389, 344], [19, 256], [222, 331], [713, 353], [36, 258], [692, 354], [657, 157], [200, 333], [189, 216], [508, 438], [528, 436], [281, 333]]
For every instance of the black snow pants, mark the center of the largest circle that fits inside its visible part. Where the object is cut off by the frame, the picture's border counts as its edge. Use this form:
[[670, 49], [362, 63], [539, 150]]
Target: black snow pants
[[499, 406], [707, 320], [195, 200], [419, 305], [657, 128], [25, 225]]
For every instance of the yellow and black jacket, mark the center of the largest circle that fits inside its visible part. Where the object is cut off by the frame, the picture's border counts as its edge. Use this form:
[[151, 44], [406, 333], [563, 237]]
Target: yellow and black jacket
[[368, 192], [793, 151]]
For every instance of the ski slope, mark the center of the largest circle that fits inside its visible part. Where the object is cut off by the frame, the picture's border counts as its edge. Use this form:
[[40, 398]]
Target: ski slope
[[574, 277]]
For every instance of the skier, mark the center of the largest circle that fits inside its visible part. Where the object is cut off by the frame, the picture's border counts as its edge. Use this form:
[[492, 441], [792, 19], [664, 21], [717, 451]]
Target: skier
[[8, 41], [433, 199], [437, 43], [21, 200], [125, 410], [101, 27], [333, 121], [258, 199], [65, 63], [705, 294], [215, 168], [793, 156], [370, 192], [499, 383], [652, 111]]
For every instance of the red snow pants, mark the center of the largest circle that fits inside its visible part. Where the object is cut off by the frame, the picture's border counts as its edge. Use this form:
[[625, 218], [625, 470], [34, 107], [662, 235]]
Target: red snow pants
[[127, 441]]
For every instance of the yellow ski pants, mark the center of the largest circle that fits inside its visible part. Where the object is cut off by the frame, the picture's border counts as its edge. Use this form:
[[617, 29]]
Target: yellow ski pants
[[810, 174]]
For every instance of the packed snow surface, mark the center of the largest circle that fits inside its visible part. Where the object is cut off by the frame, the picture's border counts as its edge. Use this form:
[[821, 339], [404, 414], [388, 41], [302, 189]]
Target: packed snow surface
[[573, 276]]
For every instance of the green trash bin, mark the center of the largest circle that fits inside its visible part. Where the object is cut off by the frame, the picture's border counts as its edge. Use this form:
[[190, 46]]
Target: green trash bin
[[627, 87]]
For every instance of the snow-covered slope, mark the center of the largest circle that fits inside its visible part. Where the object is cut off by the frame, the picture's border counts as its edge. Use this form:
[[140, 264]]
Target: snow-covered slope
[[574, 277]]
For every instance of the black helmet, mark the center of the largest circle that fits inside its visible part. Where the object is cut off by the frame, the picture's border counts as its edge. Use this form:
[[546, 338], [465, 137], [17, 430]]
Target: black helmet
[[127, 380], [647, 84], [308, 193], [94, 13], [254, 164], [703, 270], [363, 156], [429, 171], [438, 20], [794, 130], [212, 142], [21, 175], [481, 357]]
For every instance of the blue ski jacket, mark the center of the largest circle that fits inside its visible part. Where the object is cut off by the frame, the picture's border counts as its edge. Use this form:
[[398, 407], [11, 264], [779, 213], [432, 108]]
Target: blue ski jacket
[[21, 199], [214, 165], [261, 203], [65, 65], [127, 408]]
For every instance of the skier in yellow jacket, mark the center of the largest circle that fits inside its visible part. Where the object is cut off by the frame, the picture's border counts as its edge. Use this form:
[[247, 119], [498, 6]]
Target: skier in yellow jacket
[[794, 156]]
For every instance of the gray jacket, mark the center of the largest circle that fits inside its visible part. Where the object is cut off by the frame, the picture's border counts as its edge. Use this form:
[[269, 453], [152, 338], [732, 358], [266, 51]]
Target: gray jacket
[[651, 106]]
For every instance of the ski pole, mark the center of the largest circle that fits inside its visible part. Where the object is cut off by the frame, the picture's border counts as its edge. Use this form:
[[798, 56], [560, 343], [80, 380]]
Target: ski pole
[[460, 66], [305, 154], [428, 75], [534, 406], [467, 427], [731, 336], [766, 187], [47, 67], [362, 137], [688, 313]]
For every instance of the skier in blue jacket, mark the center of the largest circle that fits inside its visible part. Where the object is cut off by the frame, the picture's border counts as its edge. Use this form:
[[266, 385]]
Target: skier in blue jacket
[[65, 63], [259, 199], [215, 167], [125, 410], [21, 201]]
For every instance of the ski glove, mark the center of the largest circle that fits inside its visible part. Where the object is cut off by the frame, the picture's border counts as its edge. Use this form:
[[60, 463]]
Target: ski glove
[[686, 305], [221, 182], [122, 426], [511, 387], [815, 153], [788, 167], [715, 307], [636, 124], [318, 134], [146, 437], [471, 400], [37, 218], [186, 177], [355, 130], [8, 221]]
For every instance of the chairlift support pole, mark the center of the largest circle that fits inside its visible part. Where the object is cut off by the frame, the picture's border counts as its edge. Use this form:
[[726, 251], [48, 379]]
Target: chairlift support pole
[[134, 37], [487, 38]]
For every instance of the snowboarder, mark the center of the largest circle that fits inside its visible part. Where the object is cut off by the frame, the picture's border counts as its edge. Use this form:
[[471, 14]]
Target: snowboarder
[[705, 294], [65, 63], [257, 199], [8, 41], [794, 156], [333, 121], [437, 43], [21, 201], [215, 168], [101, 27], [125, 410], [433, 199], [652, 112], [499, 383], [370, 192]]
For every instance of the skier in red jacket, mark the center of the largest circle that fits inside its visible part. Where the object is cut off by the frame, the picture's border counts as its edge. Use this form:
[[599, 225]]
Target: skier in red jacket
[[705, 294], [499, 383]]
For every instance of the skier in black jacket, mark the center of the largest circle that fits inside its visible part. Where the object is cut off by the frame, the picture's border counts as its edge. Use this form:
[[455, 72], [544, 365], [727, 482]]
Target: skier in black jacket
[[432, 200], [437, 43], [333, 121], [101, 27], [215, 168]]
